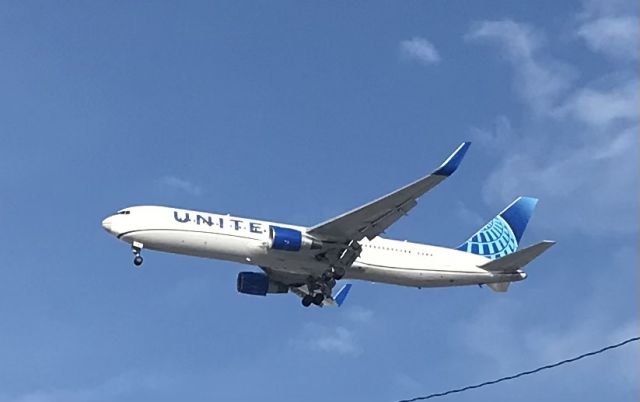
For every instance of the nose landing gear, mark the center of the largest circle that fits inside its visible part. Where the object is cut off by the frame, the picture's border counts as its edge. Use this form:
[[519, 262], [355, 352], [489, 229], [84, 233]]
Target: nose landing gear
[[136, 248]]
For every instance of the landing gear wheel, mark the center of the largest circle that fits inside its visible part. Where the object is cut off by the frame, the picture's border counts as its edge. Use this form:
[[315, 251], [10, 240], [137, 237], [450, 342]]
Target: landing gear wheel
[[136, 248], [338, 273], [318, 299], [307, 300]]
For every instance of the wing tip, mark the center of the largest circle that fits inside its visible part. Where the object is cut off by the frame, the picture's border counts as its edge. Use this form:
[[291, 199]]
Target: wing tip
[[451, 164]]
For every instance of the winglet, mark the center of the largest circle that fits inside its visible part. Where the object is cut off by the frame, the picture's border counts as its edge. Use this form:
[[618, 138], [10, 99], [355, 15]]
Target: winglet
[[342, 294], [453, 161]]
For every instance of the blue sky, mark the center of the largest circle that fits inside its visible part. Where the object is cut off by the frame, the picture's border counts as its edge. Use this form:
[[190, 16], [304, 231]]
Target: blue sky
[[298, 111]]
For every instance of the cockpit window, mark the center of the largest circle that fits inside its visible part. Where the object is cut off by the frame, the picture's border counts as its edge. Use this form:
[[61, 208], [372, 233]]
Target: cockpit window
[[124, 212]]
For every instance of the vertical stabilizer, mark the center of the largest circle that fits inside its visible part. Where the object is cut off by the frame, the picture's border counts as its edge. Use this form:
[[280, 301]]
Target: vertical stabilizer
[[502, 235]]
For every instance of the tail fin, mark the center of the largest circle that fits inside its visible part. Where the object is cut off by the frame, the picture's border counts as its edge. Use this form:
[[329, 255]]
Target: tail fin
[[502, 235]]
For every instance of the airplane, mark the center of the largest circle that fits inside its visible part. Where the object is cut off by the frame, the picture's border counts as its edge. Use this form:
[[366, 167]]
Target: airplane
[[309, 260]]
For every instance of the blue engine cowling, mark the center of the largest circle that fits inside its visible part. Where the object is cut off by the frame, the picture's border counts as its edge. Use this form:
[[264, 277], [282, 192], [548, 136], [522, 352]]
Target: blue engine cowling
[[257, 283], [291, 239], [285, 239], [253, 283]]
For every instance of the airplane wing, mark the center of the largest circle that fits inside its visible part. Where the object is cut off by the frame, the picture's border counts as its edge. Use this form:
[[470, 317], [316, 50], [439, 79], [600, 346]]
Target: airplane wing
[[343, 233], [371, 219]]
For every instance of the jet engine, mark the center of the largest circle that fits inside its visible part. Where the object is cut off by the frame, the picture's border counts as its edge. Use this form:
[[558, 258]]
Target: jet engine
[[257, 283], [291, 239]]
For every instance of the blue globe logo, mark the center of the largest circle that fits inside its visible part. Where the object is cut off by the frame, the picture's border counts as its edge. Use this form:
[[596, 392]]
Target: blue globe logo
[[494, 240]]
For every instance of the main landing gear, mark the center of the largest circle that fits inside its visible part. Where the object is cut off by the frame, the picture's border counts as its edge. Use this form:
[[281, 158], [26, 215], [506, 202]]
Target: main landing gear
[[316, 299], [136, 248], [321, 288], [334, 273]]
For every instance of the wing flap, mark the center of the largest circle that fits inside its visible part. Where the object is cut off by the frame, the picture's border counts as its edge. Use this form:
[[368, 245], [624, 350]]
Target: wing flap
[[380, 224]]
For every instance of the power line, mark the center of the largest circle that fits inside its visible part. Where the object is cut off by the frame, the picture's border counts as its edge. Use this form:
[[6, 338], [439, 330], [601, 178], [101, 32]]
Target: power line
[[522, 374]]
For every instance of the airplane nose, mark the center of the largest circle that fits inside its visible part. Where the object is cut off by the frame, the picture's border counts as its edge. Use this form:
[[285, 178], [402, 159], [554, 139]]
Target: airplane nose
[[107, 223]]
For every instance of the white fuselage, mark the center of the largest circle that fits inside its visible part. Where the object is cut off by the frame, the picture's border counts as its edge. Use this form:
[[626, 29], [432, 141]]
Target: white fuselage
[[248, 241]]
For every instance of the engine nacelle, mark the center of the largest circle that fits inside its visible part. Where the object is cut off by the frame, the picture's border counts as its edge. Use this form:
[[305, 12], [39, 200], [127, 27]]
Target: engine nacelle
[[257, 283], [291, 240]]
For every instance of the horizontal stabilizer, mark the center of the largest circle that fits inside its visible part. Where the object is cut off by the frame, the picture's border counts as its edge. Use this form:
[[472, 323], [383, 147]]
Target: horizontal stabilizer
[[515, 261]]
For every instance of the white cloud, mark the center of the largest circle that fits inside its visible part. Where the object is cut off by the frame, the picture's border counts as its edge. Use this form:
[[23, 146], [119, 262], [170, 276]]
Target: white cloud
[[181, 184], [627, 366], [539, 82], [617, 37], [420, 49], [610, 27], [321, 338], [339, 340], [498, 137], [519, 40], [593, 8], [578, 153], [591, 180], [503, 342], [479, 334], [585, 337], [359, 314], [602, 107]]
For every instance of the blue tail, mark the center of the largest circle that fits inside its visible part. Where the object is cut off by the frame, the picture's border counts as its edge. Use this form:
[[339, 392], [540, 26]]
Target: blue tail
[[502, 235]]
